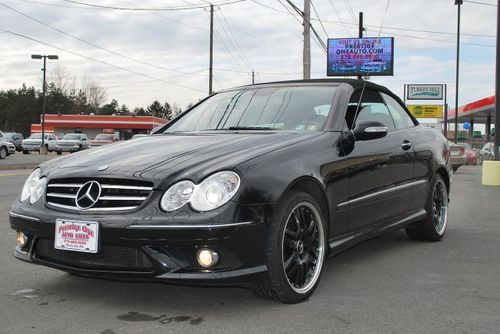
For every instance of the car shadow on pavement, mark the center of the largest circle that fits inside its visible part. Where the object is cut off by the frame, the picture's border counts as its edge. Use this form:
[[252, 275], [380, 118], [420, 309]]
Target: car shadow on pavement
[[164, 297]]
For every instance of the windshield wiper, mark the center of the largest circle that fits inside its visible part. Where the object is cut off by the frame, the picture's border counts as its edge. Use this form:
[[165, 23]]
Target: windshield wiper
[[250, 128]]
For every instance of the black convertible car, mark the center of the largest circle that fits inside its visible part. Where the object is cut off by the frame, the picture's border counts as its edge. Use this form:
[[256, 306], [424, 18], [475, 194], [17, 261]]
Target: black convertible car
[[253, 186]]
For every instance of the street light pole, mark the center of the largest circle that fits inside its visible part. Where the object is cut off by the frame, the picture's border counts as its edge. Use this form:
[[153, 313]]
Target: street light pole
[[459, 3], [44, 93]]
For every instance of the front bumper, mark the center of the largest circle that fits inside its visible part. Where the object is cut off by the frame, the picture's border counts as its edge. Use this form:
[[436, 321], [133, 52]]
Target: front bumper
[[67, 148], [164, 252], [12, 149]]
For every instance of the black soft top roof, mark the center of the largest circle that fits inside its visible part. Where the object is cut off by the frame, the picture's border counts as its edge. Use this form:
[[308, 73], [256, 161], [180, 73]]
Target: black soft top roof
[[355, 83]]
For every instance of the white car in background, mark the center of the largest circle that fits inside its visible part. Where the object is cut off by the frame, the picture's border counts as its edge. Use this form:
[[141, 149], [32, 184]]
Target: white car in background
[[34, 142], [72, 142]]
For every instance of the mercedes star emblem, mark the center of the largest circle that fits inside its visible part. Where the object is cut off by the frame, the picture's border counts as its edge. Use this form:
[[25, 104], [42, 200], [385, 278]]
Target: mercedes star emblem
[[88, 195]]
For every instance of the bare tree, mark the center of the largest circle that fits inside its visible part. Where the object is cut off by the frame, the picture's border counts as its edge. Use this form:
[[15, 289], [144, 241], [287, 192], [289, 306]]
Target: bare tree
[[95, 93], [62, 79]]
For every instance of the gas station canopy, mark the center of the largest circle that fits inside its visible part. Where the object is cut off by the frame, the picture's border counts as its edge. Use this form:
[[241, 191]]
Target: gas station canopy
[[480, 111]]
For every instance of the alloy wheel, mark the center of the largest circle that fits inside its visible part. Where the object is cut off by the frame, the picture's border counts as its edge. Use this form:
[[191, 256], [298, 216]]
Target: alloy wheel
[[440, 207], [303, 247]]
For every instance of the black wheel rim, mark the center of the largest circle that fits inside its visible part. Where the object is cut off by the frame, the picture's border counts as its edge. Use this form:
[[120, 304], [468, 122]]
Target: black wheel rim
[[440, 207], [303, 247]]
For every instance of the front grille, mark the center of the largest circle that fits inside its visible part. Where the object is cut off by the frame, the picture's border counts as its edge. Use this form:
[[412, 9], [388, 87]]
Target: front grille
[[116, 194], [109, 258]]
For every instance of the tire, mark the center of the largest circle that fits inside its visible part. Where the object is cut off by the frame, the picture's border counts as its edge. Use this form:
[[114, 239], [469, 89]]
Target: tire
[[301, 250], [59, 152], [3, 152], [26, 152], [454, 168], [433, 226]]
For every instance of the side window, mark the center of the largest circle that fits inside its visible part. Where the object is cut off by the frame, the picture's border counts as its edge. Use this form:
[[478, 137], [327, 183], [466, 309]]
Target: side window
[[372, 108], [399, 114]]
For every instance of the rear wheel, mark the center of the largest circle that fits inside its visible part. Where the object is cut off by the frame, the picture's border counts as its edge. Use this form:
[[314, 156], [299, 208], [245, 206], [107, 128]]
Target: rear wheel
[[295, 251], [3, 152], [433, 226]]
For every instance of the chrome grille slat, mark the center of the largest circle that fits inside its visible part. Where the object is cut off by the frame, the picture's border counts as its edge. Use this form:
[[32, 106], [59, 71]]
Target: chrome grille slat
[[122, 198], [68, 207], [116, 194], [65, 185], [109, 186], [61, 195]]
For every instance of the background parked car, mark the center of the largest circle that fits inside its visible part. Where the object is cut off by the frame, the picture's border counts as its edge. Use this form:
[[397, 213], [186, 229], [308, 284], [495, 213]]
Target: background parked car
[[472, 154], [16, 139], [457, 156], [103, 139], [35, 140], [6, 148], [72, 142]]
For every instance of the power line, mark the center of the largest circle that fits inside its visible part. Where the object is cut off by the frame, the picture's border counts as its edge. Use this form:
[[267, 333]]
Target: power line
[[481, 3], [172, 8], [318, 38], [337, 13], [234, 39], [90, 43], [319, 19], [100, 61], [349, 8]]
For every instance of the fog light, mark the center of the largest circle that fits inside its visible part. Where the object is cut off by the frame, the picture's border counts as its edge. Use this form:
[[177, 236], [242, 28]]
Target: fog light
[[21, 239], [207, 258]]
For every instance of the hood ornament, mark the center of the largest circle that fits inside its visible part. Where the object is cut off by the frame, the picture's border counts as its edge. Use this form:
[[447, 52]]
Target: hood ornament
[[102, 168]]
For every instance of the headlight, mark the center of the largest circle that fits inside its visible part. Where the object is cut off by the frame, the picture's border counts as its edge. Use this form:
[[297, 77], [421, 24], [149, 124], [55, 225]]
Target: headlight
[[33, 187], [177, 195], [215, 191]]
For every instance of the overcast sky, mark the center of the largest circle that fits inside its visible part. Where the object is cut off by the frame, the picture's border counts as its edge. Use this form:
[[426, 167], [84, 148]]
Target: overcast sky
[[173, 46]]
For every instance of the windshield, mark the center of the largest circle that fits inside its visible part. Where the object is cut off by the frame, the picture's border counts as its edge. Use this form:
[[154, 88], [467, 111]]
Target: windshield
[[71, 136], [8, 135], [264, 108], [37, 136], [103, 136]]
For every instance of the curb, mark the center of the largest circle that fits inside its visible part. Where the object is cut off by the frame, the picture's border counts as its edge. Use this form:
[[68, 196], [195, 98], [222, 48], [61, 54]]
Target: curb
[[23, 166]]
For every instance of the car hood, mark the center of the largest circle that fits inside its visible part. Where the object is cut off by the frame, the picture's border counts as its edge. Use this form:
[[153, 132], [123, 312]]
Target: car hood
[[32, 141], [166, 157]]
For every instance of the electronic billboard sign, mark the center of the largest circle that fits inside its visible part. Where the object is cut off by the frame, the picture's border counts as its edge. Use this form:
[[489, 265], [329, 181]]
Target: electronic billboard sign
[[360, 56]]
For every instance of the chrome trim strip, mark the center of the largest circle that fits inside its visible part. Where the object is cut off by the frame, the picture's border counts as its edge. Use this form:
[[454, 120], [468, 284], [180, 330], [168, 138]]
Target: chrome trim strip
[[18, 215], [65, 185], [381, 192], [188, 226], [110, 186], [74, 208], [122, 198], [71, 196]]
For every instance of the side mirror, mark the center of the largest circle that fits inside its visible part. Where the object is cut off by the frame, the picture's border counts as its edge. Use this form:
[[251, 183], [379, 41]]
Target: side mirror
[[369, 130]]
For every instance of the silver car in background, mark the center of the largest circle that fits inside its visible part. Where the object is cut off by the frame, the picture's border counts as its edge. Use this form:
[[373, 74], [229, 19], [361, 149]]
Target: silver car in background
[[72, 142]]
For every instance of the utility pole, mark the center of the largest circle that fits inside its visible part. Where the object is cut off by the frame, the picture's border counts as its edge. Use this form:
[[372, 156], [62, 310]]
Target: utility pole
[[459, 3], [211, 65], [360, 33], [307, 40], [253, 78], [496, 142], [43, 149]]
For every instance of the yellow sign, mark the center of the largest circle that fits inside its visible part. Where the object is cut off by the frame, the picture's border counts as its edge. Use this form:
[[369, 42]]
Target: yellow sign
[[426, 110]]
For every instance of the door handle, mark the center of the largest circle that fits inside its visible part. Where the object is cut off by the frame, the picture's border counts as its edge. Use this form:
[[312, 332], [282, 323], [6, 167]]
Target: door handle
[[406, 145]]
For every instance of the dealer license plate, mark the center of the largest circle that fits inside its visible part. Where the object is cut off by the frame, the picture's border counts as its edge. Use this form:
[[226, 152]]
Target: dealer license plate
[[77, 236]]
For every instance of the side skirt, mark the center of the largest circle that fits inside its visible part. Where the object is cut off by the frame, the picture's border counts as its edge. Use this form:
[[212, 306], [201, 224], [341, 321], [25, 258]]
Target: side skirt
[[340, 244]]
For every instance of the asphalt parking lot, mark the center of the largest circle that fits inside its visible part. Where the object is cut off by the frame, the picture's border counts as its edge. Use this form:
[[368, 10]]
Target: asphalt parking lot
[[386, 285]]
